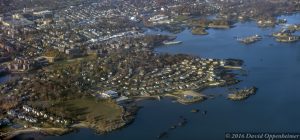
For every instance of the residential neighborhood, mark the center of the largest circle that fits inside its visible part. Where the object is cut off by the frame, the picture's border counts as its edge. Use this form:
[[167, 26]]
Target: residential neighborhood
[[71, 64]]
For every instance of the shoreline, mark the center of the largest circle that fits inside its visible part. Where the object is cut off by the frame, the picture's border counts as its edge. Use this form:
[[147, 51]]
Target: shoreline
[[44, 131], [127, 119], [180, 96], [63, 131]]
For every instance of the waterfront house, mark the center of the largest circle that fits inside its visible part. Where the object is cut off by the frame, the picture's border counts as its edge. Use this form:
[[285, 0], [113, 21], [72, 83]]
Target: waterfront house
[[27, 108], [20, 116], [11, 113], [109, 94]]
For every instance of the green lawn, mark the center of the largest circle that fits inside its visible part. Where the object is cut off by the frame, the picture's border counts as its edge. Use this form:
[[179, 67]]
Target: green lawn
[[88, 109], [100, 115]]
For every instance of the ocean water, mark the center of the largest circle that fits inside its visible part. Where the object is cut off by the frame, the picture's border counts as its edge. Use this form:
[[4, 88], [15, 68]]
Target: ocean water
[[274, 68]]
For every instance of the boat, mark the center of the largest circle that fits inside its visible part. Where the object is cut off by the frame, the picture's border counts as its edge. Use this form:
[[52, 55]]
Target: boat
[[171, 42]]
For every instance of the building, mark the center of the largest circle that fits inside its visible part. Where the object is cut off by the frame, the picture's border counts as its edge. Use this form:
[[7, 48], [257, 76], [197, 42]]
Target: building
[[44, 14], [13, 23], [20, 65], [50, 59], [160, 19], [73, 52], [110, 94]]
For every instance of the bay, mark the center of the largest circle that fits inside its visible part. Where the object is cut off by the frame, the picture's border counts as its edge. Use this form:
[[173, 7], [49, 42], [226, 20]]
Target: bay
[[271, 66]]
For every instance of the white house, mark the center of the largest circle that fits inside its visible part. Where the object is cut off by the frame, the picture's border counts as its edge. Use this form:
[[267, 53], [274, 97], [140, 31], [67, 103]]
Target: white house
[[109, 94]]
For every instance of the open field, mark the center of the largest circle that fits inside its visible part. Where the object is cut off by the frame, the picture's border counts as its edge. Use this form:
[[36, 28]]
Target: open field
[[92, 109], [101, 115]]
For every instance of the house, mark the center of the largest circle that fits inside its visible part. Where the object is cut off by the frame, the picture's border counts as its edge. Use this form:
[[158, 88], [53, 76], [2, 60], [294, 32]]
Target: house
[[160, 19], [27, 108], [33, 120], [20, 116], [73, 52], [11, 113], [109, 94], [20, 65]]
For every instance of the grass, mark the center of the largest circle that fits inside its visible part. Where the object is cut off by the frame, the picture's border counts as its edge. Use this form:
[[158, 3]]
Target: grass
[[75, 61], [181, 18], [88, 109], [89, 112], [100, 115]]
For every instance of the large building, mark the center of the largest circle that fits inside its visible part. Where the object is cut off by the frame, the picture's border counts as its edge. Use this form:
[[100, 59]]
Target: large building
[[20, 65], [110, 94]]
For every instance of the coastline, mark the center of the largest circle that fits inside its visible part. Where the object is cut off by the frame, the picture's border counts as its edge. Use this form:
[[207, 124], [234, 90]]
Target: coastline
[[63, 131], [48, 131], [127, 118], [44, 131], [180, 96]]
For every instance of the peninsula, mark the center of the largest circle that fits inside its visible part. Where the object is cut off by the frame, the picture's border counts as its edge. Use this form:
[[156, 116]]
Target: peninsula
[[82, 63]]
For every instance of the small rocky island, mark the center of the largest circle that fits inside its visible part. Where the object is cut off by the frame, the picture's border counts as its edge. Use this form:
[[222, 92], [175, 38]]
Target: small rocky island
[[199, 31], [242, 94], [250, 39], [287, 35]]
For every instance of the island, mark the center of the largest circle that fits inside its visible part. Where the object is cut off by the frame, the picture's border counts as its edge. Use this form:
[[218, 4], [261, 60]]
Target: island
[[250, 39], [199, 31], [287, 35], [242, 94]]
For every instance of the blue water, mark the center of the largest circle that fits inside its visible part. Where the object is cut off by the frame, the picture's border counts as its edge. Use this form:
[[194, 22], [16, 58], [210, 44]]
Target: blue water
[[6, 78], [271, 66]]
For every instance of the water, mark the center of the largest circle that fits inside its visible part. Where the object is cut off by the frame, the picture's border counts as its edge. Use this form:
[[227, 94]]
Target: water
[[6, 78], [272, 67]]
